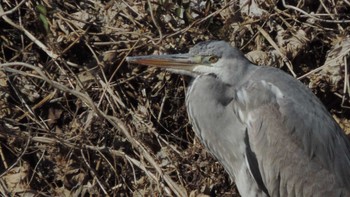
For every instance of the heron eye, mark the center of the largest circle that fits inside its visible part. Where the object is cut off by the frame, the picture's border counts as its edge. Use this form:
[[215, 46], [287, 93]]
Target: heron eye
[[213, 59]]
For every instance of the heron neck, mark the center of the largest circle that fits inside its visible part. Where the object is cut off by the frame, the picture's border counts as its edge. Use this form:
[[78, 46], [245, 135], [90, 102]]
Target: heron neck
[[238, 73]]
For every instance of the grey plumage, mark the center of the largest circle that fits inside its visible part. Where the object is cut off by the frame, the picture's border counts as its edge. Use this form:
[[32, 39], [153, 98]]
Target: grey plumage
[[271, 133]]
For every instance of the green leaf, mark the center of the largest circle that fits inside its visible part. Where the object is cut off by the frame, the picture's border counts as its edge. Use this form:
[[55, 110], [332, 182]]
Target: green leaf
[[45, 22], [41, 9]]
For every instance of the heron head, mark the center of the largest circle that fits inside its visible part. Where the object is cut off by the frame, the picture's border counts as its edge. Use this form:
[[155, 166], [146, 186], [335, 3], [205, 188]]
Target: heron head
[[214, 58]]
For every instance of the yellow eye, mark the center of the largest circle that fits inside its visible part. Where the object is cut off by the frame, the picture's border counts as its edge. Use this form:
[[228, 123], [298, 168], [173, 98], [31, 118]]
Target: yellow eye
[[213, 59], [209, 59]]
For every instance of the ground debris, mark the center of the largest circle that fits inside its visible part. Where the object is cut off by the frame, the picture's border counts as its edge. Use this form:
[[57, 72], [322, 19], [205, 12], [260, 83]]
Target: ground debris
[[77, 120]]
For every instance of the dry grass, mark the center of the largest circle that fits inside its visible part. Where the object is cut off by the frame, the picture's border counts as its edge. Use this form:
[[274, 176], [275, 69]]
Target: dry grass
[[76, 120]]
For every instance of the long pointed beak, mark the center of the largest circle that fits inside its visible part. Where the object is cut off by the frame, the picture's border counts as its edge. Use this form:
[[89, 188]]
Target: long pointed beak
[[182, 62]]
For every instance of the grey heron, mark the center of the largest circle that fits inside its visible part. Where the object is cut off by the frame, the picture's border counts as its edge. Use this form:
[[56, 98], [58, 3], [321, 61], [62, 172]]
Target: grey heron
[[270, 132]]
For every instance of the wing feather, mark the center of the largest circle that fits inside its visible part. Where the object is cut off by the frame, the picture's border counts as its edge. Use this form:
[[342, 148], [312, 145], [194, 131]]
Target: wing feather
[[295, 140], [253, 165]]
